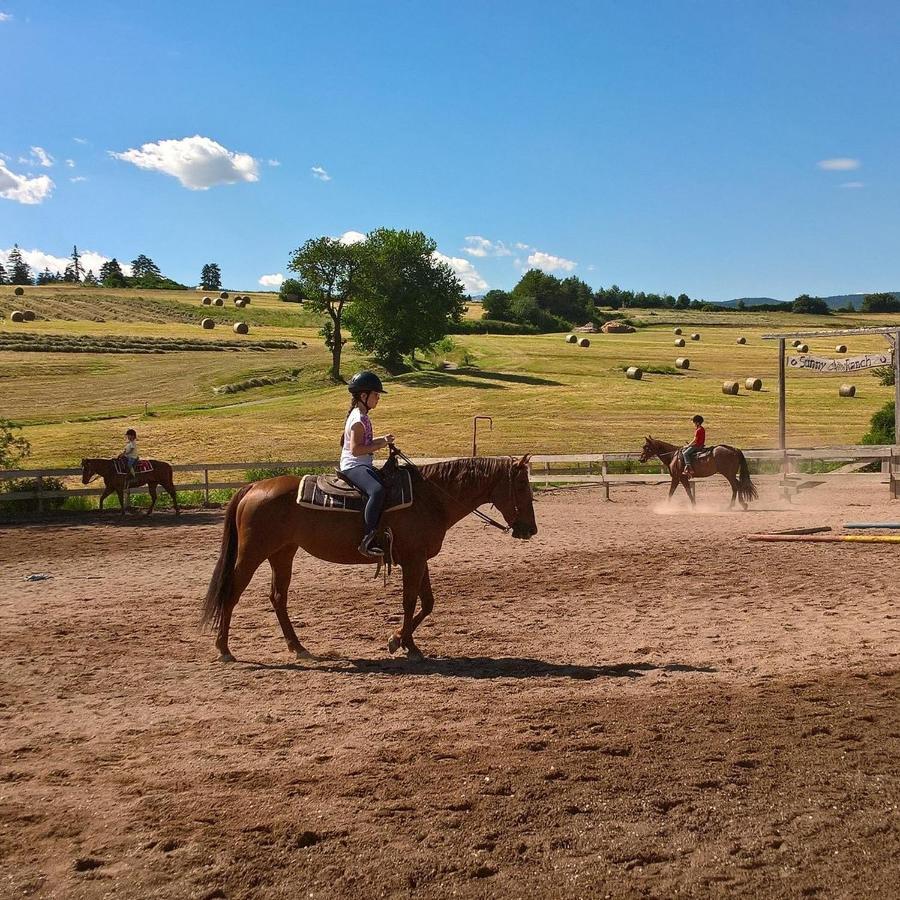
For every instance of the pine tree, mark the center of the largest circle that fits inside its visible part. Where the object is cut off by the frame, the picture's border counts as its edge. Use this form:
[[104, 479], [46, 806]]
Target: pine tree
[[90, 279], [211, 277], [45, 277], [20, 270], [4, 278], [143, 268], [111, 274], [69, 275], [76, 264]]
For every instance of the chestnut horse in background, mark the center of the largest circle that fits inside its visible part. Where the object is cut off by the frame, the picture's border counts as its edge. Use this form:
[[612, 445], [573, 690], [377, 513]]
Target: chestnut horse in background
[[113, 482], [721, 460], [264, 522]]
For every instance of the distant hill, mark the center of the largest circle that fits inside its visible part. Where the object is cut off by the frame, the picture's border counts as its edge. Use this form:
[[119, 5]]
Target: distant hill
[[839, 301]]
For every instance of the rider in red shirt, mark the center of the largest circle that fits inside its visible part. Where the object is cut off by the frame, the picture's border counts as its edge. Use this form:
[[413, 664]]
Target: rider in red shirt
[[696, 445]]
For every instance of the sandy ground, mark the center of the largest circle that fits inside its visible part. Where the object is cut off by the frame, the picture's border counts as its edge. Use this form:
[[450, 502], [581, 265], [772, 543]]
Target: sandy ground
[[632, 705]]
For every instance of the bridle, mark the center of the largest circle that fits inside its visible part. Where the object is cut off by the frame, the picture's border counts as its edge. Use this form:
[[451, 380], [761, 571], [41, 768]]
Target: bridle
[[396, 451]]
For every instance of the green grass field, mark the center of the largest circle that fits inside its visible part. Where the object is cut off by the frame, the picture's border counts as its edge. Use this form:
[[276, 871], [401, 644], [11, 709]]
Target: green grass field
[[544, 395]]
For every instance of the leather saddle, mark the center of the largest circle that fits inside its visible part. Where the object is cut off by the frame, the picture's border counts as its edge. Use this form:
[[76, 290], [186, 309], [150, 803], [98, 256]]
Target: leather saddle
[[333, 492]]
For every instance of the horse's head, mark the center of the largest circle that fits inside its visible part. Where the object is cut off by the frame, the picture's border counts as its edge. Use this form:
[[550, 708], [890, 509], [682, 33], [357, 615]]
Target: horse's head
[[649, 449], [512, 496], [87, 471]]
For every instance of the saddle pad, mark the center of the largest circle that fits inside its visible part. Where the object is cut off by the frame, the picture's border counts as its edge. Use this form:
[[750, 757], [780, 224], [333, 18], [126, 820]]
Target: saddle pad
[[144, 465], [333, 493]]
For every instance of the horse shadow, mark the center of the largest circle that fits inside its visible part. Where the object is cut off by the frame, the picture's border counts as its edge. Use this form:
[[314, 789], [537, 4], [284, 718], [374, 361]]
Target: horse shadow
[[481, 668]]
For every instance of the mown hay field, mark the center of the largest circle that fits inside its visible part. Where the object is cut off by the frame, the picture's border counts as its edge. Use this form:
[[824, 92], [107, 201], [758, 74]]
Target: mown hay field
[[545, 395]]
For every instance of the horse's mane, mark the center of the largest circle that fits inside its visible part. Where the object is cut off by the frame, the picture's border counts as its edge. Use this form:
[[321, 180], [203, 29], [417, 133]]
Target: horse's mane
[[467, 473], [662, 445]]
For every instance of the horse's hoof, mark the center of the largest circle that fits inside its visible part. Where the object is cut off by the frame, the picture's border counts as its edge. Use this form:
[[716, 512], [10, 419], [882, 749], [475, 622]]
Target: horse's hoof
[[414, 653], [393, 643], [227, 657], [302, 653]]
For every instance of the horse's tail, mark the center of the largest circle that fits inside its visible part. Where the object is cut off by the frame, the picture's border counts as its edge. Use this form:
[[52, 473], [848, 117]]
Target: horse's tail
[[220, 584], [746, 488]]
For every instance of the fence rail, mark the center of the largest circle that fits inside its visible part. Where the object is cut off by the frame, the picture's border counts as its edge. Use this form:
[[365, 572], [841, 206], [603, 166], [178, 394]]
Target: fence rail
[[572, 468]]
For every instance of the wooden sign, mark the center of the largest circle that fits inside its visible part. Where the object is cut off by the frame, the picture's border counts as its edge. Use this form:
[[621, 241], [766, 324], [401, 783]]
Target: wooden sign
[[848, 364]]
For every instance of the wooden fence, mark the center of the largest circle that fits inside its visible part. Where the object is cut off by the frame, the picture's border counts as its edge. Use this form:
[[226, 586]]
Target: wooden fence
[[546, 469]]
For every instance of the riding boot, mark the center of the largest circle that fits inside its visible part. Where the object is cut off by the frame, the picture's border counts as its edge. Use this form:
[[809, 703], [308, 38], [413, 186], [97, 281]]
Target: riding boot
[[368, 547], [688, 471]]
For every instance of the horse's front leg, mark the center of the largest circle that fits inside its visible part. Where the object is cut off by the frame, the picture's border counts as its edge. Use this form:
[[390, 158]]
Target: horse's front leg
[[413, 573], [688, 489]]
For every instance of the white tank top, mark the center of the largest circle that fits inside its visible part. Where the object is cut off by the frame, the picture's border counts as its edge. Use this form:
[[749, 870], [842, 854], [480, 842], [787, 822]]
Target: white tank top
[[348, 460]]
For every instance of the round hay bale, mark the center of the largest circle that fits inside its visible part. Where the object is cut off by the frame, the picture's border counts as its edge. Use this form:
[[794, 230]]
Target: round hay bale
[[753, 384], [239, 302], [803, 348], [679, 342], [730, 387], [207, 301], [17, 315], [634, 373], [584, 342], [682, 363], [207, 324], [695, 336], [677, 331], [246, 299], [223, 295], [742, 340], [847, 390], [19, 291], [241, 328], [571, 339], [29, 315], [218, 302], [841, 348]]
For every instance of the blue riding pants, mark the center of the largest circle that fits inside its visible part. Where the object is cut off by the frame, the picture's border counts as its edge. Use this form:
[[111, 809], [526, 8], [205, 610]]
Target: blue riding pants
[[365, 478], [689, 453]]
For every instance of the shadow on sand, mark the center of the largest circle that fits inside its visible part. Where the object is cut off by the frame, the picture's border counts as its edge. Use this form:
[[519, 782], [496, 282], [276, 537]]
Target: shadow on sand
[[479, 667]]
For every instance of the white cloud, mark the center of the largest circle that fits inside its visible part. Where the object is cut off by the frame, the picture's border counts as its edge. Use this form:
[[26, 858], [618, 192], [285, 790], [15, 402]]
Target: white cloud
[[352, 237], [480, 246], [853, 184], [80, 140], [70, 163], [520, 246], [275, 280], [199, 163], [465, 272], [5, 17], [320, 173], [549, 263], [838, 164], [39, 260], [78, 179], [273, 162], [38, 157], [23, 189]]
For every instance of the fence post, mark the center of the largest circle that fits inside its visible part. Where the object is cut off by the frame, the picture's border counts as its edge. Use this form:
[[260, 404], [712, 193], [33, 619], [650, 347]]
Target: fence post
[[40, 497], [206, 487]]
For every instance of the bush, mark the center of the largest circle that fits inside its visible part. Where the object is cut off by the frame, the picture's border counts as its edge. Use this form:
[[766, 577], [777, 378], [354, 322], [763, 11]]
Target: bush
[[31, 484], [884, 374], [881, 427], [491, 326], [291, 291]]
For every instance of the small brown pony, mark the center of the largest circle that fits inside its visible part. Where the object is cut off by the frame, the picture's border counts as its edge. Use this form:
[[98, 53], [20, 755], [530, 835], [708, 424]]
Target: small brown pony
[[722, 460], [113, 482], [264, 522]]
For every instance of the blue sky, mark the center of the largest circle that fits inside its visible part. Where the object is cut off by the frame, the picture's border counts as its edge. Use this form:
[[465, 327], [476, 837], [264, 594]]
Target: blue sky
[[662, 146]]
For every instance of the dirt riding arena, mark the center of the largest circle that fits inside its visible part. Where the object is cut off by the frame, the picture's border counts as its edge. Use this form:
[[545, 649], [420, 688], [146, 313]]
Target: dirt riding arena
[[634, 704]]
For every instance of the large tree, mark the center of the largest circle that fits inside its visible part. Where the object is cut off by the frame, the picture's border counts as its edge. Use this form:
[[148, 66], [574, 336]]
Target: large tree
[[211, 277], [13, 447], [111, 274], [19, 270], [884, 302], [77, 270], [408, 297], [90, 279], [4, 278], [327, 271], [144, 269], [571, 299]]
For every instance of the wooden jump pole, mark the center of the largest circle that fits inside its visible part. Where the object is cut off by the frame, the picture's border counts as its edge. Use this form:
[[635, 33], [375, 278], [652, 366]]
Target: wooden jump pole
[[827, 538]]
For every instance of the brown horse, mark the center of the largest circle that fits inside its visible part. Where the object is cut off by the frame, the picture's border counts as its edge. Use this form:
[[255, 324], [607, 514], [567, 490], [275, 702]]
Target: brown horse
[[264, 522], [113, 482], [722, 460]]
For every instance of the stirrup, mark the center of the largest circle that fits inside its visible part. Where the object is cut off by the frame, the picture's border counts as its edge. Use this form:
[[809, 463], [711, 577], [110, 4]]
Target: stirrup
[[368, 547]]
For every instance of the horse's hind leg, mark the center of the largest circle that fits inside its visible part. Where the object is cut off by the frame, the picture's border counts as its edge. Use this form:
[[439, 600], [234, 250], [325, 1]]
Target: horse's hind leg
[[689, 490], [170, 490], [282, 566], [734, 491], [240, 578], [426, 596]]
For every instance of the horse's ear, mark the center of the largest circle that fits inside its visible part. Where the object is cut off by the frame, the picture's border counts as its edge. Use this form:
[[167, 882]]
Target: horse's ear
[[523, 462]]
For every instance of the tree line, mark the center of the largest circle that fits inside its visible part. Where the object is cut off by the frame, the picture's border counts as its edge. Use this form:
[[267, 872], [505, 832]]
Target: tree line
[[145, 273]]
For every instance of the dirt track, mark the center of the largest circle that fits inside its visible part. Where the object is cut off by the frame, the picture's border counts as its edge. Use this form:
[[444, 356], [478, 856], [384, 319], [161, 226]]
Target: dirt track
[[608, 711]]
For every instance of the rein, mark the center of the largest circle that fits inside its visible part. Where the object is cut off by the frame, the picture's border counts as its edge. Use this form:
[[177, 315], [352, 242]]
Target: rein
[[475, 512]]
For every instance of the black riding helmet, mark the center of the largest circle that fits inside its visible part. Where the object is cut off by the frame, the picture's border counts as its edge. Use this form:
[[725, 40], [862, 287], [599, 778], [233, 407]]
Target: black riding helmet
[[697, 420], [363, 382]]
